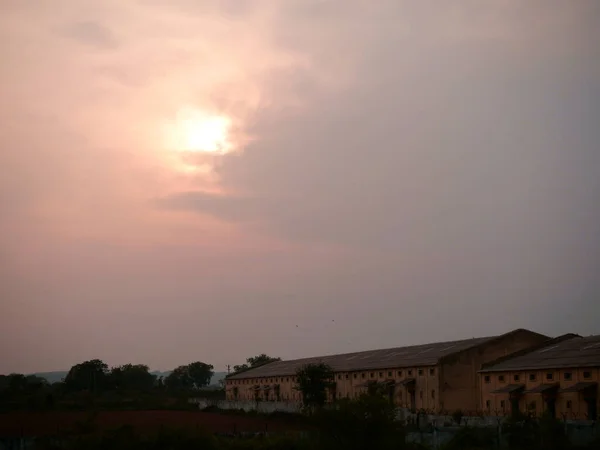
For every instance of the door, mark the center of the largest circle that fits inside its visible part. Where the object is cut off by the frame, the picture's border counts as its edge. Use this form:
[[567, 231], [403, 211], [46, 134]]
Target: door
[[592, 408]]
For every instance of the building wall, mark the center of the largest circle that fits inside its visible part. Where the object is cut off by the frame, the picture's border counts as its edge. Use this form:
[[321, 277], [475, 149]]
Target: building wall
[[348, 385], [570, 405], [459, 378]]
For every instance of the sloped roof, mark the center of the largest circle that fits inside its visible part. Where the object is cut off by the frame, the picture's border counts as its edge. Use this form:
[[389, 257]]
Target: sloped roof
[[509, 388], [411, 356], [576, 351]]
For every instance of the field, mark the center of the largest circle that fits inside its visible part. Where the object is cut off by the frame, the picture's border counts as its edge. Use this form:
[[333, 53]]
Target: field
[[59, 422]]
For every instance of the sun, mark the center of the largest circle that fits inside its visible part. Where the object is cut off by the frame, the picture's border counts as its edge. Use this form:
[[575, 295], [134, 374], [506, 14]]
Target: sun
[[194, 130]]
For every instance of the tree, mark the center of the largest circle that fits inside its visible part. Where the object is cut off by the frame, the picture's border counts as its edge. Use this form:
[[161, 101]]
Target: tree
[[17, 382], [132, 377], [89, 375], [365, 423], [255, 361], [200, 373], [313, 380], [194, 375]]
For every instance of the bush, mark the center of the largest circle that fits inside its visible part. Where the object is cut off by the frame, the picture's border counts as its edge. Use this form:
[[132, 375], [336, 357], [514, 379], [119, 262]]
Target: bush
[[470, 438], [366, 423]]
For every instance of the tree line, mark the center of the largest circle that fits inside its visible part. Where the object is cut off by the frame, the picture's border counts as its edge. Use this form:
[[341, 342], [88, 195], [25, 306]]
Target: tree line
[[96, 376]]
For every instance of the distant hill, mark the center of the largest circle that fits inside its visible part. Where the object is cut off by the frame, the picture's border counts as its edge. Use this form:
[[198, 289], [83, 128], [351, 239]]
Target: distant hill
[[51, 377], [55, 377]]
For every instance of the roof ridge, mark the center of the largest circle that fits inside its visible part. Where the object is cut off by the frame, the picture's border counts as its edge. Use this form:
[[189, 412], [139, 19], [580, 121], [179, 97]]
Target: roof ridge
[[432, 352], [525, 351]]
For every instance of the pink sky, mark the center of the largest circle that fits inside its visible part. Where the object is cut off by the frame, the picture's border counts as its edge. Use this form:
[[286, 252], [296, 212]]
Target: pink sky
[[396, 172]]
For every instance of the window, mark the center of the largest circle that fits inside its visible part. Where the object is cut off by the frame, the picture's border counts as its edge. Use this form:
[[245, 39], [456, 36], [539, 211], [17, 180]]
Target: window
[[420, 372], [569, 404], [487, 379], [362, 375], [487, 404], [389, 374], [354, 376], [549, 376], [287, 379], [372, 375], [532, 377], [501, 378], [339, 377], [433, 394], [432, 371], [516, 377], [347, 376], [587, 375], [399, 373], [502, 404], [380, 374], [567, 376], [409, 373]]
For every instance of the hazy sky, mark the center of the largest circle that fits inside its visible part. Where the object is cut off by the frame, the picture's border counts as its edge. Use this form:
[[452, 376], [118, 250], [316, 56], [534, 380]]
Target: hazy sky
[[193, 180]]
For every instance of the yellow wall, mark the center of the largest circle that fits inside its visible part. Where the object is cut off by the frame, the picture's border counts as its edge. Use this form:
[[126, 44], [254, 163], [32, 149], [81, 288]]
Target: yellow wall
[[577, 409], [459, 373], [348, 385], [450, 386]]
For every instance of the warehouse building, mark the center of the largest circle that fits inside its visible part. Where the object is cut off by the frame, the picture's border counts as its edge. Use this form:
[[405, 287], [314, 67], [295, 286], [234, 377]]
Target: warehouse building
[[560, 377], [436, 377]]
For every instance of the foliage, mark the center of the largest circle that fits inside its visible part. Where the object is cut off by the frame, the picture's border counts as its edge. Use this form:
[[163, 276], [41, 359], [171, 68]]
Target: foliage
[[527, 433], [132, 376], [192, 376], [255, 361], [89, 375], [365, 423], [470, 438], [457, 416], [17, 382], [375, 388], [313, 380]]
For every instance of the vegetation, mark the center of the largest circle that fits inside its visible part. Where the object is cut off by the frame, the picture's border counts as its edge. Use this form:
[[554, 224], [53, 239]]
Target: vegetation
[[195, 375], [368, 422], [313, 381], [91, 384], [254, 361]]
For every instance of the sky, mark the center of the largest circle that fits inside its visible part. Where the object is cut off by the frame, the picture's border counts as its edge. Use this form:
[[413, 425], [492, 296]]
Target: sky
[[186, 180]]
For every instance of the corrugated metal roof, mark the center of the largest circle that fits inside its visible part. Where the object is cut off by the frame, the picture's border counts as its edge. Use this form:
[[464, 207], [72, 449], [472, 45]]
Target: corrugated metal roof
[[542, 388], [411, 356], [574, 352], [581, 386], [509, 388]]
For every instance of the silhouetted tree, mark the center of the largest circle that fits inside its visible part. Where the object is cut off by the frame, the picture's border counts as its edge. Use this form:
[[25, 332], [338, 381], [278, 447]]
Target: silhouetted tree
[[194, 375], [365, 423], [255, 361], [17, 382], [89, 375], [313, 380], [132, 377]]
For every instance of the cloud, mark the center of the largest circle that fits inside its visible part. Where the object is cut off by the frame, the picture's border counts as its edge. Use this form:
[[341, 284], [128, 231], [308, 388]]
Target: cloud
[[395, 158], [424, 131], [91, 33]]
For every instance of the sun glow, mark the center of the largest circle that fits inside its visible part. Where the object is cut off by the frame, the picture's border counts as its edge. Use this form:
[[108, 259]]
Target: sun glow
[[197, 131]]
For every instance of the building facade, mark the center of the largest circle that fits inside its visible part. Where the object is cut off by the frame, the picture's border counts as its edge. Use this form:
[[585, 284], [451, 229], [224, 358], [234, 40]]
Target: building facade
[[433, 377], [560, 378]]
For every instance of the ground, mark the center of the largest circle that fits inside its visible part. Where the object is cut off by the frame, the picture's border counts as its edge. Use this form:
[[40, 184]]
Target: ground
[[58, 422]]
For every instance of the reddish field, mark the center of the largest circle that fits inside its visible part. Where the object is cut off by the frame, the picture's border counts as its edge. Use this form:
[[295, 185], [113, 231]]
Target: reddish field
[[52, 423]]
